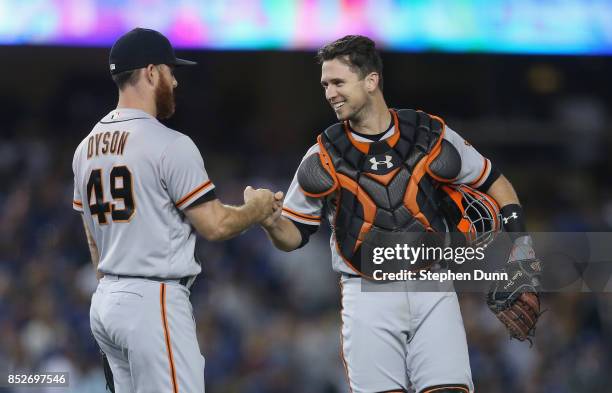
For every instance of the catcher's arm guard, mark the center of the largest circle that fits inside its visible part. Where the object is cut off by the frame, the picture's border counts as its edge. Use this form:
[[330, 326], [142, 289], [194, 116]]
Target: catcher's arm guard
[[516, 301]]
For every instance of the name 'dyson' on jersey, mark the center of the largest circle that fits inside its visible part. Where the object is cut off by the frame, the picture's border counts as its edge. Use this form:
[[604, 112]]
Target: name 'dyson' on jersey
[[107, 143]]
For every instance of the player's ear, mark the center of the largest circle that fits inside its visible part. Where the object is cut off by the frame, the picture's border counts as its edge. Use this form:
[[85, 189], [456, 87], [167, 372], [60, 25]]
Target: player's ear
[[371, 81], [151, 73]]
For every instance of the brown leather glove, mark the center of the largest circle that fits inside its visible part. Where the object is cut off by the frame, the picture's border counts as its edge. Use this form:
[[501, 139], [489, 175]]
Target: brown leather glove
[[516, 301]]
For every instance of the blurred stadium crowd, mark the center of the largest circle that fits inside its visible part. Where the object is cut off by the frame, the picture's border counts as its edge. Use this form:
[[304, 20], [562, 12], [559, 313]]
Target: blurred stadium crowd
[[268, 322]]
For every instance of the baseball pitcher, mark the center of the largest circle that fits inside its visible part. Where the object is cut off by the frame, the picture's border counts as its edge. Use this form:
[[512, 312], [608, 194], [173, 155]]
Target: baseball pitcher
[[142, 189]]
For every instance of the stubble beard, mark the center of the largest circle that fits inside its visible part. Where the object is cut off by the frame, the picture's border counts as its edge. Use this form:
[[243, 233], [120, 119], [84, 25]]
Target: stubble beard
[[357, 115]]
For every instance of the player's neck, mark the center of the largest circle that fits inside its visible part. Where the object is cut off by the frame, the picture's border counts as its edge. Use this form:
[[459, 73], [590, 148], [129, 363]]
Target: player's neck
[[133, 100], [374, 120]]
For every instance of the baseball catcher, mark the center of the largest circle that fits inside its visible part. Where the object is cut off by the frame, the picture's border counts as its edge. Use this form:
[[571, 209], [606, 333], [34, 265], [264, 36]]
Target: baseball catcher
[[375, 174]]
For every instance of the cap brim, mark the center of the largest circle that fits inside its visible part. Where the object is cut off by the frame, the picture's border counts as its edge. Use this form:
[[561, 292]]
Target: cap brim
[[183, 62]]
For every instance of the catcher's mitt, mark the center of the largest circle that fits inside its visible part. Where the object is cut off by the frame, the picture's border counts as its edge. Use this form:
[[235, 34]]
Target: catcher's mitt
[[516, 301]]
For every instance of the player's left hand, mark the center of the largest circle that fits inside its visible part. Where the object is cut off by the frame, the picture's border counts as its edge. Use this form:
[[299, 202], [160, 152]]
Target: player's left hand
[[522, 249], [516, 301], [278, 209]]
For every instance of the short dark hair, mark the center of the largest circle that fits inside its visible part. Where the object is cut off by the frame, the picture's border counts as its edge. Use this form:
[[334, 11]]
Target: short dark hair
[[358, 52], [126, 78]]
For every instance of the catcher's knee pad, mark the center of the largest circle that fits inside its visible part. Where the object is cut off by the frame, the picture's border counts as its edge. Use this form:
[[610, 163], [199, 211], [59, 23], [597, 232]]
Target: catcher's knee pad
[[450, 388]]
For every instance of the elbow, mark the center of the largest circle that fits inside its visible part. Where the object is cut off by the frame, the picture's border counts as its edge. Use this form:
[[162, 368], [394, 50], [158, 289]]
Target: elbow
[[286, 248]]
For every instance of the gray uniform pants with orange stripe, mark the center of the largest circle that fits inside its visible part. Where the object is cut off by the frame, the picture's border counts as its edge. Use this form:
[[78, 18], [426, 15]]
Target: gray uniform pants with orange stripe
[[396, 336], [147, 330]]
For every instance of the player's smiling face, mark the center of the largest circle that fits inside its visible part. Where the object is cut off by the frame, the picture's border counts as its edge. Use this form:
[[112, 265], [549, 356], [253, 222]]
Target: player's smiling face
[[344, 89]]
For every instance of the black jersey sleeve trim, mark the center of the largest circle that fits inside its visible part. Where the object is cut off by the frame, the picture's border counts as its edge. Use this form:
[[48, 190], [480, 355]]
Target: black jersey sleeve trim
[[209, 196], [493, 175], [305, 230]]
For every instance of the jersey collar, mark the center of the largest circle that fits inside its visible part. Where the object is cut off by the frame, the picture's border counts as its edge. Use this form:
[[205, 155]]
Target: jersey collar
[[125, 114], [363, 144]]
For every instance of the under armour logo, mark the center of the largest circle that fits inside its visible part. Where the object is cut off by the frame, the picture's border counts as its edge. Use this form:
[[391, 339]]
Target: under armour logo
[[513, 215], [376, 163]]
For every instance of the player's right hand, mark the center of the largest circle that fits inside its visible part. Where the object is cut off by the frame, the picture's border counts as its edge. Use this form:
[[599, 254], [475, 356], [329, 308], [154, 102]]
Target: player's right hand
[[264, 201]]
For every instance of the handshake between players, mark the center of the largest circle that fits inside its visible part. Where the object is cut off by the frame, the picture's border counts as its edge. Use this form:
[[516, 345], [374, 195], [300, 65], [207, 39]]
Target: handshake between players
[[267, 203]]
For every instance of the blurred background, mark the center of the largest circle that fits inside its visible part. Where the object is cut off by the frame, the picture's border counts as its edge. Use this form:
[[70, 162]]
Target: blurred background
[[526, 82]]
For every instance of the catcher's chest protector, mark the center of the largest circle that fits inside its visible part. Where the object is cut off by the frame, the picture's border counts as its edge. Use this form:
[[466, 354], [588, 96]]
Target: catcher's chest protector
[[382, 187]]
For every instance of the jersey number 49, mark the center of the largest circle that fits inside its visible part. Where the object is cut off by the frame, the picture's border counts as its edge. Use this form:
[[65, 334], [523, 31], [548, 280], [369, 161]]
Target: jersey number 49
[[120, 189]]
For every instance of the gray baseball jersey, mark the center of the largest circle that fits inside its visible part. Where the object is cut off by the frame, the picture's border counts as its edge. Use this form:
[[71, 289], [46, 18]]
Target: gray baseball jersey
[[132, 178], [308, 210]]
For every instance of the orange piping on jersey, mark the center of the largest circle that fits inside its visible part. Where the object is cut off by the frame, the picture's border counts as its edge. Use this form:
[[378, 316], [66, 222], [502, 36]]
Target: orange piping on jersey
[[346, 372], [162, 300], [484, 171], [77, 203], [301, 216], [192, 193], [446, 388], [383, 179]]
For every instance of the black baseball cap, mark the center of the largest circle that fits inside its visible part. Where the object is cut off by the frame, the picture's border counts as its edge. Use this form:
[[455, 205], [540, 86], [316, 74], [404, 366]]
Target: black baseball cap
[[140, 47]]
